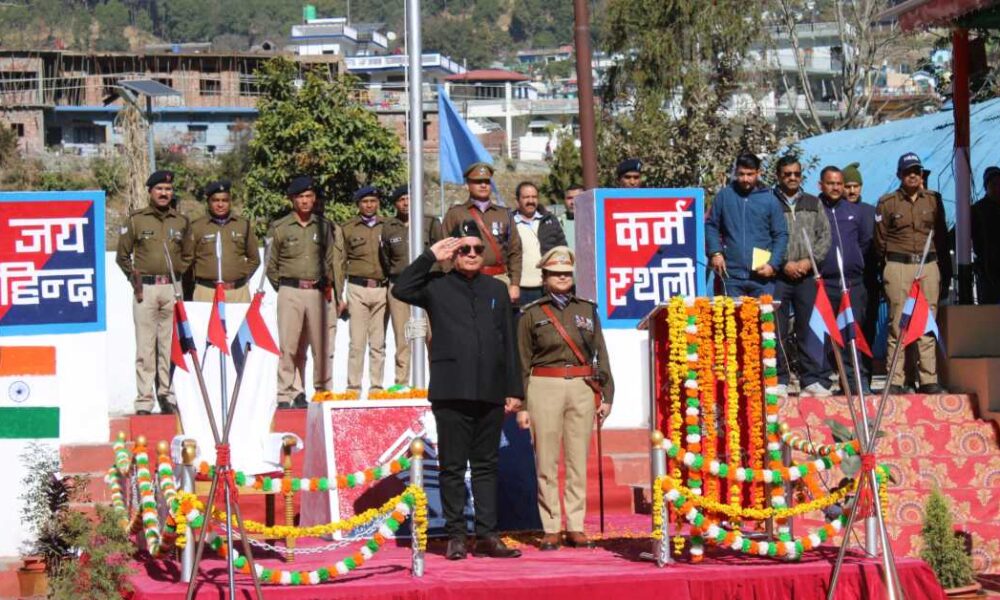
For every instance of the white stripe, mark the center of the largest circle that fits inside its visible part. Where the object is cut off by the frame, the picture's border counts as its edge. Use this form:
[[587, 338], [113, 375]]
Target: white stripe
[[29, 390]]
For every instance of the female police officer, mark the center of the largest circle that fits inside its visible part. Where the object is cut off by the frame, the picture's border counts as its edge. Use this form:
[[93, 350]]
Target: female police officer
[[568, 384]]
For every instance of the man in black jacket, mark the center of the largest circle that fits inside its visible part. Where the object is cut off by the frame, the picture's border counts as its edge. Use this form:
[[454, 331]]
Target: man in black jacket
[[475, 377]]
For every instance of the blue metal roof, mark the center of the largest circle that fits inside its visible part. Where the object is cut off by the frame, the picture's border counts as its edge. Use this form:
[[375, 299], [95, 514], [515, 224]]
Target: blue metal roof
[[162, 109], [931, 137]]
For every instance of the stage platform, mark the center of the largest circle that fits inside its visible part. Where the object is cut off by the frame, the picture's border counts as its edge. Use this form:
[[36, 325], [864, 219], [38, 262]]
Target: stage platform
[[612, 571]]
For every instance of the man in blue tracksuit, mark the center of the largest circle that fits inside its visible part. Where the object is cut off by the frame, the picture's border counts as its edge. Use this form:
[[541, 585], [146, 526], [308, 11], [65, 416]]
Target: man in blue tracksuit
[[743, 217], [853, 228]]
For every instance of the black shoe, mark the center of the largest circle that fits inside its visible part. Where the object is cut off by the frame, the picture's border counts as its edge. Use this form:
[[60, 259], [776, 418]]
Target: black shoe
[[300, 401], [898, 389], [142, 413], [932, 388], [456, 549], [167, 408], [493, 547], [285, 405]]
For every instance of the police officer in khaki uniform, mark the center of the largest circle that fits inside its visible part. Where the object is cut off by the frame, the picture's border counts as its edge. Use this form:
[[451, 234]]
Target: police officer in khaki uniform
[[395, 252], [503, 244], [903, 220], [306, 266], [567, 380], [240, 257], [367, 290], [141, 258]]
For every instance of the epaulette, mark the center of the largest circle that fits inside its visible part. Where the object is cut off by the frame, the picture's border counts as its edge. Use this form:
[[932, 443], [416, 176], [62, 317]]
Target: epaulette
[[594, 302], [538, 302]]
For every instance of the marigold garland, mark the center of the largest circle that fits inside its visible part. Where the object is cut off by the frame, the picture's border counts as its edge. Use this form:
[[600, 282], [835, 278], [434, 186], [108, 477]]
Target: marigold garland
[[328, 396], [399, 395], [187, 513], [732, 393], [799, 443], [147, 500], [675, 329], [274, 485], [117, 497], [706, 385], [836, 495], [752, 393]]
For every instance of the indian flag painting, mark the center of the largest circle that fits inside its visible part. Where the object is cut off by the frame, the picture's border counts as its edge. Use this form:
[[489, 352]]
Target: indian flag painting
[[29, 402]]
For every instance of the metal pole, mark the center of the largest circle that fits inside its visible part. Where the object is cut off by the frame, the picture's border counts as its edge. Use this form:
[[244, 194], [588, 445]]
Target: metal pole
[[651, 348], [224, 398], [149, 136], [415, 48], [188, 452], [962, 164], [658, 462], [417, 479], [585, 93]]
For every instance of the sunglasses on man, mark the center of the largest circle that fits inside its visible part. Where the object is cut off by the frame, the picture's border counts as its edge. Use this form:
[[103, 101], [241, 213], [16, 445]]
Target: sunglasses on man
[[467, 249]]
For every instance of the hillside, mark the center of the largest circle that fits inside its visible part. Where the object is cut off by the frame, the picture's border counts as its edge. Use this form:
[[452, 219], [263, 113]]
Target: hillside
[[478, 31]]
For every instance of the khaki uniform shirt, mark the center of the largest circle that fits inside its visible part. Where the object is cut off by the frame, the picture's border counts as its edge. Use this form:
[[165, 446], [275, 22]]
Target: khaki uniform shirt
[[499, 224], [296, 251], [396, 242], [540, 345], [140, 243], [362, 244], [902, 225], [240, 249]]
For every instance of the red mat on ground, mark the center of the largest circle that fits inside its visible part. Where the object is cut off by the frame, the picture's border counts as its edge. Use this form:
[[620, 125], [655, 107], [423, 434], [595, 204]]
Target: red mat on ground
[[613, 571]]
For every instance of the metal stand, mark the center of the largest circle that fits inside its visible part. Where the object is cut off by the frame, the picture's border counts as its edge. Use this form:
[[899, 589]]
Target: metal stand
[[417, 479], [187, 484], [658, 461]]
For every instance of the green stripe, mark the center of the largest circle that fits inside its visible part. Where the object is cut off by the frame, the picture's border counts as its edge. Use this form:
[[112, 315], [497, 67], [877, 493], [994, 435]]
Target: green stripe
[[29, 422]]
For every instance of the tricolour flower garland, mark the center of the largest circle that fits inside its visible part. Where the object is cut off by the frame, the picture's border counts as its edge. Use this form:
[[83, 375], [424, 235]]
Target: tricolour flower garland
[[113, 480], [752, 393], [799, 443], [717, 508], [187, 513], [769, 345], [412, 501], [790, 549], [147, 500], [313, 484], [121, 454], [692, 413]]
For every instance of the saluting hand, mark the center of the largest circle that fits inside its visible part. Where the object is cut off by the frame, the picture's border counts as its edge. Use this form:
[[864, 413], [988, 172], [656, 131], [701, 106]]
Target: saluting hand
[[445, 249]]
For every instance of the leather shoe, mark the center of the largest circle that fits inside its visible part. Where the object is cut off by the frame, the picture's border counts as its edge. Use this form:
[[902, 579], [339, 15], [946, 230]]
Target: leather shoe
[[285, 405], [932, 388], [456, 549], [898, 389], [550, 541], [166, 407], [300, 401], [142, 413], [577, 539], [493, 547]]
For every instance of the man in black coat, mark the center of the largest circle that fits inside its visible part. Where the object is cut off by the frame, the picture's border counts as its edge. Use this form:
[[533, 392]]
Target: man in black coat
[[475, 377]]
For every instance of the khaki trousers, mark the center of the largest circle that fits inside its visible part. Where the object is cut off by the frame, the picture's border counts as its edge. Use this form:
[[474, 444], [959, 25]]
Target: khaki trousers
[[367, 326], [562, 417], [154, 320], [300, 326], [898, 277], [399, 312], [234, 296]]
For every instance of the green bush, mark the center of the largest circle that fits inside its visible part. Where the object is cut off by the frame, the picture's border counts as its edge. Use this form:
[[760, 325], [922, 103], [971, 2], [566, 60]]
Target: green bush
[[101, 571], [942, 549]]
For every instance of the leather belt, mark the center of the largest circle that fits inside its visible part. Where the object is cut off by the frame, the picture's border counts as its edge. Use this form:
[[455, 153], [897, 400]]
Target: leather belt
[[156, 279], [494, 270], [564, 372], [365, 282], [226, 285], [908, 259], [302, 284]]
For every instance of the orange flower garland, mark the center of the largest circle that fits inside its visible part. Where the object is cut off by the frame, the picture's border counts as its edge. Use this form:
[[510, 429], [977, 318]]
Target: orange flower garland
[[706, 384], [752, 393], [732, 398], [676, 323]]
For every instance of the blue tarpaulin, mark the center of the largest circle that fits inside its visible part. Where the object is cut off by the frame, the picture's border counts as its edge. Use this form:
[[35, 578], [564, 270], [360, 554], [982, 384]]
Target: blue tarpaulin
[[931, 137]]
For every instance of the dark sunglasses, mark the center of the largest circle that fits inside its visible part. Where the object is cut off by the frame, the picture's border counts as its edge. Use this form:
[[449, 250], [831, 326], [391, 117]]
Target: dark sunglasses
[[479, 181], [467, 249], [792, 174]]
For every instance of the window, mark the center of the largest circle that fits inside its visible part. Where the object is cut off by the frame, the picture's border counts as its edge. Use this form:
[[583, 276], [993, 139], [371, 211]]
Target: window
[[110, 84], [249, 86], [53, 136], [18, 128], [198, 133], [18, 81], [210, 87], [88, 134]]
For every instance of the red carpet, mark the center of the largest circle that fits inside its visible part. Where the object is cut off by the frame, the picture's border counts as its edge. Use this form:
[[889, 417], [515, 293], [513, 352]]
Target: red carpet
[[613, 571]]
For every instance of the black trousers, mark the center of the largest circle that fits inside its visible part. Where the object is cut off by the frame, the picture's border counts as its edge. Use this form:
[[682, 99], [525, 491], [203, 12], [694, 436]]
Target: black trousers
[[797, 297], [468, 433]]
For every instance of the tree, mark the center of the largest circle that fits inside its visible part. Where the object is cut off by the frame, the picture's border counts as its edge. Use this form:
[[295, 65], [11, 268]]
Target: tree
[[113, 18], [942, 549], [676, 94], [318, 129], [863, 44], [565, 169]]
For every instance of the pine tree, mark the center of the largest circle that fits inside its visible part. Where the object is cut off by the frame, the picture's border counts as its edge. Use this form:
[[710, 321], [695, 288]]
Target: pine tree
[[942, 549]]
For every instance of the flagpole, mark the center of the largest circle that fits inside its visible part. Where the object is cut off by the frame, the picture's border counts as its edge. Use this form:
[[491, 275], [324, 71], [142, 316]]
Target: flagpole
[[841, 371], [416, 111], [871, 524], [230, 569]]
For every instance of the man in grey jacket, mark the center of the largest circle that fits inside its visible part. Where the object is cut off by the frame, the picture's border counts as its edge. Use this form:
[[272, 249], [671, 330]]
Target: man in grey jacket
[[795, 288]]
